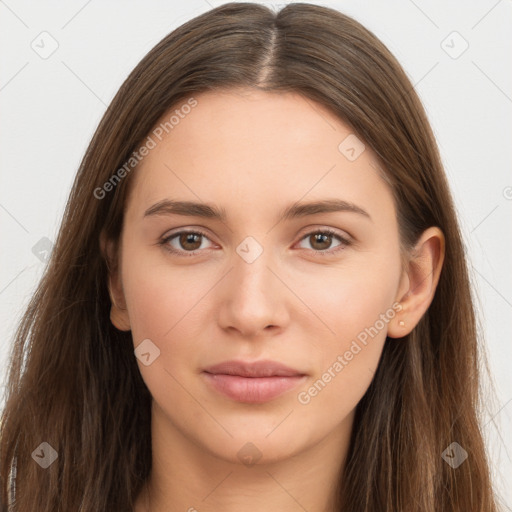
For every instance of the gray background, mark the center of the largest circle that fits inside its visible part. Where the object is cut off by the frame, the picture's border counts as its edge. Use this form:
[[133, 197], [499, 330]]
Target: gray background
[[51, 105]]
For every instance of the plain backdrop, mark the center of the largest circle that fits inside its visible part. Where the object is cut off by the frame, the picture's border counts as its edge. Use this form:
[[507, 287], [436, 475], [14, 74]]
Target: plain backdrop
[[62, 62]]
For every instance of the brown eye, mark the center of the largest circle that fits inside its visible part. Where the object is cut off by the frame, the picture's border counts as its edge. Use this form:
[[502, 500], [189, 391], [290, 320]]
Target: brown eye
[[320, 241], [190, 241], [185, 243]]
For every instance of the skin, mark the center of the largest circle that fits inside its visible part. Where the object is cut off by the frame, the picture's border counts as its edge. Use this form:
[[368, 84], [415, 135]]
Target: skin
[[254, 153]]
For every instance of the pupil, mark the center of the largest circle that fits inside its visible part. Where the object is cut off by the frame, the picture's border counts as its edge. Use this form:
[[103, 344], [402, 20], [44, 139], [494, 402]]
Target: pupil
[[188, 238], [321, 238]]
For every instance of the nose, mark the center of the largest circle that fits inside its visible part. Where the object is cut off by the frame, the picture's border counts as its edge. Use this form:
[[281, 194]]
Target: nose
[[253, 299]]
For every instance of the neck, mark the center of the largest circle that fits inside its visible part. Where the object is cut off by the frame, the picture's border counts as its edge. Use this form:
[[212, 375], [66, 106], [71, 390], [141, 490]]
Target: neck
[[186, 476]]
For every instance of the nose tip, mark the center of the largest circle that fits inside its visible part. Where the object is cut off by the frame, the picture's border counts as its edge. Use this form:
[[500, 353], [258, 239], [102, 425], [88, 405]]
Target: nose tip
[[251, 303]]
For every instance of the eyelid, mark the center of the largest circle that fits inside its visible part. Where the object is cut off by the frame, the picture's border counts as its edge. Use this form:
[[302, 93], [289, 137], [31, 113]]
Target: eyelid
[[164, 241], [342, 234], [345, 240]]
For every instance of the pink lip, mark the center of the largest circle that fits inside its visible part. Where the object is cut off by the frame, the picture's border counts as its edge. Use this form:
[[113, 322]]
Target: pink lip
[[256, 382]]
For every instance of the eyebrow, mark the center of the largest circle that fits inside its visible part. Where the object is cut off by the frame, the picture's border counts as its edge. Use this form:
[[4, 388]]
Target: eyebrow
[[209, 211]]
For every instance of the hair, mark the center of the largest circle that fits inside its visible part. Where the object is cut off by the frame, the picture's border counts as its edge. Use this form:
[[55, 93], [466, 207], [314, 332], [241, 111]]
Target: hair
[[74, 381]]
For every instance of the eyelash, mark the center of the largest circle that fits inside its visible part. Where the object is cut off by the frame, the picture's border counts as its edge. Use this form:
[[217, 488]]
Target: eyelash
[[327, 252]]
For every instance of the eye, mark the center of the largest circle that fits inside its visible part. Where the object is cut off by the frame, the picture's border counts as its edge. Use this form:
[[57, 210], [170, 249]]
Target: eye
[[188, 242], [321, 241]]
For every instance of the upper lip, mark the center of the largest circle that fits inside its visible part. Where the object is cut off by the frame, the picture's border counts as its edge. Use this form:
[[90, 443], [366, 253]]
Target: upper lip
[[254, 369]]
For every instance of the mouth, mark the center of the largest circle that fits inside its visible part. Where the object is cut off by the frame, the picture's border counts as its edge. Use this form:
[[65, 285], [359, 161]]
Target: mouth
[[257, 382]]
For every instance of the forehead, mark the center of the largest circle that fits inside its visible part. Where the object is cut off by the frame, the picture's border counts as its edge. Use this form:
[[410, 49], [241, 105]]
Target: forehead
[[249, 147]]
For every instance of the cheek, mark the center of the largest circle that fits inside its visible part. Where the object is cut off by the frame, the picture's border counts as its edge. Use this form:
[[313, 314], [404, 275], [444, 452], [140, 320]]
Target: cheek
[[342, 302], [165, 307], [160, 300], [168, 307], [345, 363], [355, 310]]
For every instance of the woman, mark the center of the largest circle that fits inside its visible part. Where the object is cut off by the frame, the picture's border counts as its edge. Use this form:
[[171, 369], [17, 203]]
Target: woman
[[314, 348]]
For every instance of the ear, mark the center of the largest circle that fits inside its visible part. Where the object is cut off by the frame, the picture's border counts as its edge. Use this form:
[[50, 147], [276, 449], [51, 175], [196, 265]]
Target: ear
[[118, 311], [419, 282]]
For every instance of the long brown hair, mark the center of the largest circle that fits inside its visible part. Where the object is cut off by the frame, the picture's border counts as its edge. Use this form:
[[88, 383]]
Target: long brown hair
[[74, 382]]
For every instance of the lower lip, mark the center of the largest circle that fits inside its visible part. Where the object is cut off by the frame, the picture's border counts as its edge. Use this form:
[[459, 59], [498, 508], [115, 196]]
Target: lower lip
[[252, 390]]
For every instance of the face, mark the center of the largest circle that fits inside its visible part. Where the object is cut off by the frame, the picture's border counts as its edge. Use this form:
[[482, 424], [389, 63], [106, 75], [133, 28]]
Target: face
[[314, 290]]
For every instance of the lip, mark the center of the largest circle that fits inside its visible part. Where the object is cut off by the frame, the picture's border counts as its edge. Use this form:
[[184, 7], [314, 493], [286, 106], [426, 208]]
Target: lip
[[256, 382]]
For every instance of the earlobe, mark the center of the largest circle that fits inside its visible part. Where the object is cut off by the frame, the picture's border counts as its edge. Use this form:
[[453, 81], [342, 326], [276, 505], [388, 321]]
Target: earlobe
[[118, 311], [422, 277], [119, 319], [118, 314]]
